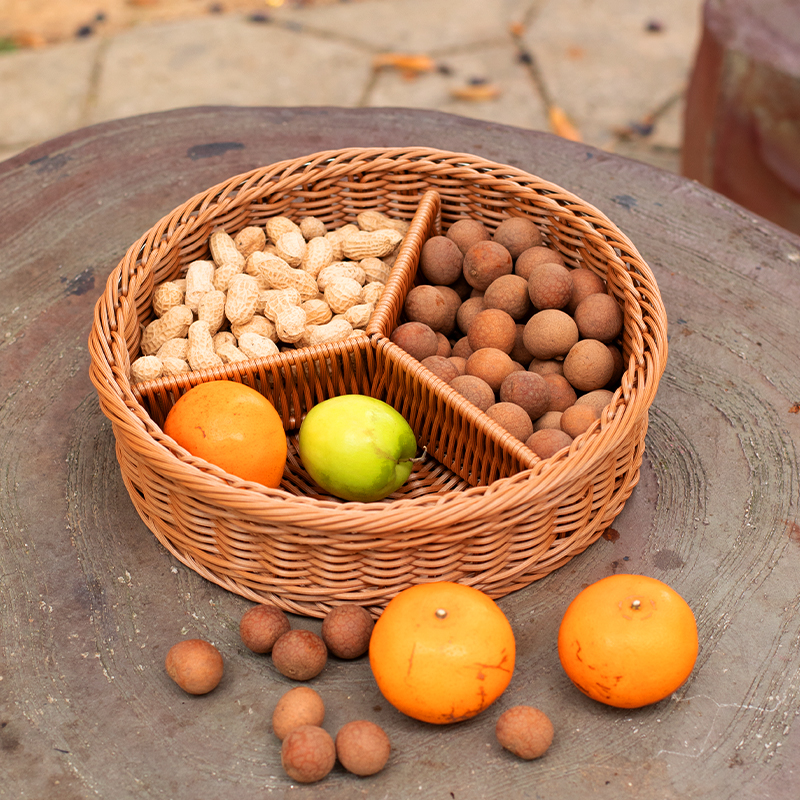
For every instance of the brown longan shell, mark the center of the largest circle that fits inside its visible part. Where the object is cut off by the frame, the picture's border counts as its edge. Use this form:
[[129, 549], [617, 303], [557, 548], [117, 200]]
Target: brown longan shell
[[467, 311], [474, 389], [584, 283], [562, 394], [466, 232], [484, 262], [517, 234], [195, 665], [492, 365], [362, 747], [550, 334], [461, 348], [300, 654], [549, 286], [524, 731], [492, 327], [513, 418], [577, 419], [453, 301], [426, 304], [261, 626], [599, 316], [598, 399], [440, 260], [416, 338], [510, 294], [546, 442], [527, 390], [589, 365], [533, 256], [346, 630], [299, 706], [519, 352], [441, 366], [308, 754]]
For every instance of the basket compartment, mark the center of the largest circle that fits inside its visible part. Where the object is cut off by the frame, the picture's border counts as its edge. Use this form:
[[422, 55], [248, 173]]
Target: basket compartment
[[481, 508]]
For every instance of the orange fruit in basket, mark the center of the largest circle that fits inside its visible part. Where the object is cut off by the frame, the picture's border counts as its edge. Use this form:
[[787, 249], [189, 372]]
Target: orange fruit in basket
[[442, 652], [628, 641], [232, 426]]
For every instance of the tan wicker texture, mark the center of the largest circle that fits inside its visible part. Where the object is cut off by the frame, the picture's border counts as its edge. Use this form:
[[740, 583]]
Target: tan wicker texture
[[480, 508]]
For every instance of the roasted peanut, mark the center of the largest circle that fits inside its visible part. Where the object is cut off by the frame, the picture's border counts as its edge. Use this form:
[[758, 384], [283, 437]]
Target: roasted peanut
[[242, 299], [199, 280], [290, 323], [250, 239], [146, 368], [342, 293], [166, 296], [173, 325], [212, 309], [291, 247], [201, 353], [255, 346], [224, 251], [362, 244], [275, 227], [312, 227], [371, 220]]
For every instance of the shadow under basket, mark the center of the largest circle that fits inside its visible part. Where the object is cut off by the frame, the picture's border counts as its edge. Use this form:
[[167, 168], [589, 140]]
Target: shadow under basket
[[479, 508]]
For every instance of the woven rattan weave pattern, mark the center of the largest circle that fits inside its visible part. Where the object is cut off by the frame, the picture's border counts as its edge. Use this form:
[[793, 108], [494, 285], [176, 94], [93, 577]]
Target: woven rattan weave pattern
[[480, 508]]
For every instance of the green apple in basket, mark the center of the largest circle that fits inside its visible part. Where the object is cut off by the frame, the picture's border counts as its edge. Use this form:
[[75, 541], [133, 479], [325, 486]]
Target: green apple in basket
[[357, 447]]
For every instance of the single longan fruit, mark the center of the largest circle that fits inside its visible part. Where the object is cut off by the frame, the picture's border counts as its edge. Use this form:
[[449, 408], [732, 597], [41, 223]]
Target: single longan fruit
[[513, 418], [578, 419], [510, 294], [589, 365], [491, 364], [584, 283], [466, 232], [599, 316], [416, 338], [453, 301], [461, 348], [362, 747], [524, 731], [474, 389], [546, 442], [300, 654], [467, 312], [460, 364], [546, 366], [426, 304], [308, 754], [550, 334], [619, 366], [299, 706], [445, 348], [346, 630], [533, 256], [562, 395], [550, 419], [261, 626], [527, 390], [484, 262], [492, 327], [441, 367], [517, 234], [195, 665], [550, 286], [598, 400], [440, 260], [519, 352]]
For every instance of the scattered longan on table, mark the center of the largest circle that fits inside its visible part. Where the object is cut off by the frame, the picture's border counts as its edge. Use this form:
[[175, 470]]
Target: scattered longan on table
[[261, 626], [308, 754], [299, 706], [299, 654], [362, 747], [195, 665], [524, 731], [346, 630]]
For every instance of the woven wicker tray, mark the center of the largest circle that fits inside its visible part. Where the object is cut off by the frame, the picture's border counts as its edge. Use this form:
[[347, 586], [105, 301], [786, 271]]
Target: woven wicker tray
[[480, 508]]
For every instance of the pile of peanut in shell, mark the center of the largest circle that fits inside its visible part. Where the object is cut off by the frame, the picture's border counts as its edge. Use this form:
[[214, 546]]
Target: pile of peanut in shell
[[506, 322], [265, 288]]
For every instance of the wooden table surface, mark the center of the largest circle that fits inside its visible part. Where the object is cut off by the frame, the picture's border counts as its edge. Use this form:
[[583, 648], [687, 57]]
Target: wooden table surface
[[90, 602]]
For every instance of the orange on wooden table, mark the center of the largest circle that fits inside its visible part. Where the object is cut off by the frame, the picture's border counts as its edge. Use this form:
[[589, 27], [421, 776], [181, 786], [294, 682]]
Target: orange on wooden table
[[442, 652], [232, 426], [628, 641]]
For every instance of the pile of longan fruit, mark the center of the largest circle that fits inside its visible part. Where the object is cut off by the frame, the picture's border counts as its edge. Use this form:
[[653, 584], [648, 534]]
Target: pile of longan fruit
[[308, 751], [529, 340]]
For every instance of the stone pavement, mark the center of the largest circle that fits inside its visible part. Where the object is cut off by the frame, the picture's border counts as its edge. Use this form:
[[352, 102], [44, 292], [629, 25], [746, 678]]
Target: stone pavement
[[610, 72]]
